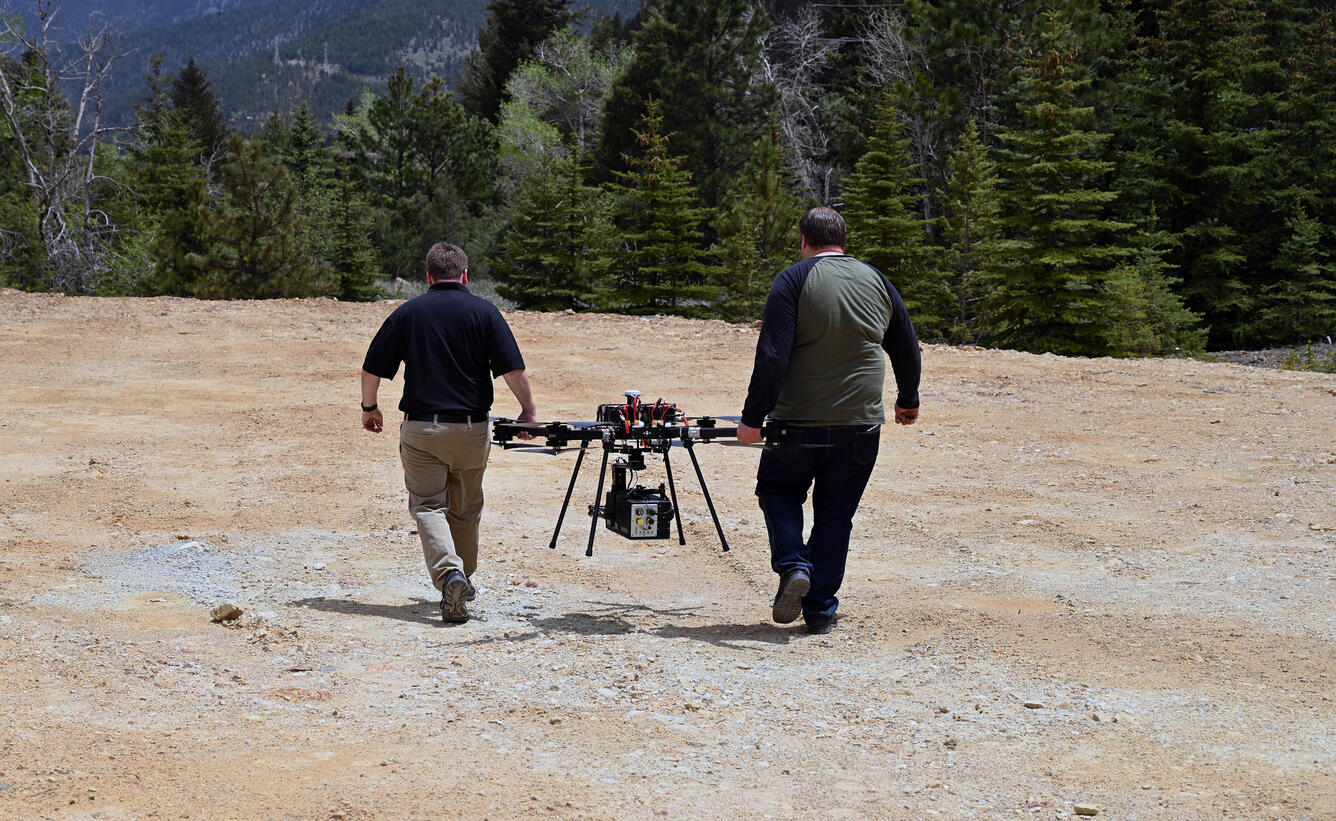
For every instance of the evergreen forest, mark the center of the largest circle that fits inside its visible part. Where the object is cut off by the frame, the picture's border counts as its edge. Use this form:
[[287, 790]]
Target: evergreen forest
[[1133, 177]]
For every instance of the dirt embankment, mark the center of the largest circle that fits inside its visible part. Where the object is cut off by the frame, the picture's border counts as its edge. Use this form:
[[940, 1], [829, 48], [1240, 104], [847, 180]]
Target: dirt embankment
[[1098, 582]]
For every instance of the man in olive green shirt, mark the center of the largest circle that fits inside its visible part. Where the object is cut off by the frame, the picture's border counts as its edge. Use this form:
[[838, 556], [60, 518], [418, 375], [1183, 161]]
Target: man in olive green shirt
[[820, 370]]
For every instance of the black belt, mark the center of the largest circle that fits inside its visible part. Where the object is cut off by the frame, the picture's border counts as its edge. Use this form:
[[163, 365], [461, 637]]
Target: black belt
[[446, 416], [825, 434]]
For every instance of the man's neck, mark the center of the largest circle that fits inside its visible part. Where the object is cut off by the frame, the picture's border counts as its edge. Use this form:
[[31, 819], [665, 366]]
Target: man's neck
[[825, 251]]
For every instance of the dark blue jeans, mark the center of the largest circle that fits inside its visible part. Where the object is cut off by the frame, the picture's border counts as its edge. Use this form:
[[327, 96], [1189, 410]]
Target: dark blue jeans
[[836, 471]]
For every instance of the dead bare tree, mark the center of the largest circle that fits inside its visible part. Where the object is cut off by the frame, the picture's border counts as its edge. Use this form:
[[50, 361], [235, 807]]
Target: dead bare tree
[[56, 142], [895, 64], [795, 53]]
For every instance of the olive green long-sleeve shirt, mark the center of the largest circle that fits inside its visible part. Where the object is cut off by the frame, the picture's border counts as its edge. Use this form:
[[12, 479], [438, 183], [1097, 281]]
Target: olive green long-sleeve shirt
[[829, 322]]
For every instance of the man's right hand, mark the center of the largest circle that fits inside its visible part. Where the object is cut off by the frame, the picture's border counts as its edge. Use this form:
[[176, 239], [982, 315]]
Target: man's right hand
[[905, 416], [373, 421], [748, 435]]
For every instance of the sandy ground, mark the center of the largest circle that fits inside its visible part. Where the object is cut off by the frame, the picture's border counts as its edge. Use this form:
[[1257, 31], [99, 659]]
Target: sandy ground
[[1076, 581]]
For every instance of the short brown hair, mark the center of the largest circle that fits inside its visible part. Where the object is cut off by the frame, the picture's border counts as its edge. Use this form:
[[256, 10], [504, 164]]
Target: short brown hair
[[446, 261], [823, 228]]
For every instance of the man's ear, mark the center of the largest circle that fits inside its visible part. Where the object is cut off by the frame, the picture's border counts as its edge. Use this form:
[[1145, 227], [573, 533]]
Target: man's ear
[[464, 279]]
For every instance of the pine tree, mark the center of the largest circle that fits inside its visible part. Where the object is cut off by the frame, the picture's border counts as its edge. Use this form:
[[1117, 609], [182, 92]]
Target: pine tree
[[1309, 114], [1296, 304], [883, 208], [702, 61], [1198, 144], [275, 134], [254, 248], [1300, 306], [657, 265], [170, 186], [758, 233], [304, 152], [193, 99], [429, 168], [1059, 285], [350, 258], [514, 28], [1155, 323], [970, 228], [544, 260]]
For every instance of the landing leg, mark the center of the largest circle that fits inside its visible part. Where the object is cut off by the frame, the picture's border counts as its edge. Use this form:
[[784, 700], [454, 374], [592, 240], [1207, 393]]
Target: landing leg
[[574, 473], [598, 499], [672, 491], [708, 502]]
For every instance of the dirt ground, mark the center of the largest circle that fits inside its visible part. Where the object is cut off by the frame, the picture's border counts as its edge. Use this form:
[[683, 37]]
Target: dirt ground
[[1076, 581]]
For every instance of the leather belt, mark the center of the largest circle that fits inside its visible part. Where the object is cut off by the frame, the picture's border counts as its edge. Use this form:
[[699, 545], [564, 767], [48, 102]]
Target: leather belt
[[446, 416]]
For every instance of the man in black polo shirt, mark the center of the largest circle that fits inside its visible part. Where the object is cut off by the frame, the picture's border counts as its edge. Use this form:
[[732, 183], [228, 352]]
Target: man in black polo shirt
[[830, 322], [452, 344]]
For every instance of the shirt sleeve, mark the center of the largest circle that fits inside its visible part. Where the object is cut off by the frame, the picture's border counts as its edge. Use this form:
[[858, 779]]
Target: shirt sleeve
[[778, 324], [384, 356], [505, 351], [901, 345]]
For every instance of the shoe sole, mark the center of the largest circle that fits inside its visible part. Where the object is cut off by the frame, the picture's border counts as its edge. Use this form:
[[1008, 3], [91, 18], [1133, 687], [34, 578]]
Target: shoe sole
[[453, 599], [789, 602]]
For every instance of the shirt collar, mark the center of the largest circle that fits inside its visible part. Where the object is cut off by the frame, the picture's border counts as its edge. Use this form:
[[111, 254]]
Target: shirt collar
[[448, 285]]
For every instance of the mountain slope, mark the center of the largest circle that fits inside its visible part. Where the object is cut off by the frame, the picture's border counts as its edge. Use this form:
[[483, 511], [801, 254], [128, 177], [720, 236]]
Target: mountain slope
[[126, 16], [364, 41]]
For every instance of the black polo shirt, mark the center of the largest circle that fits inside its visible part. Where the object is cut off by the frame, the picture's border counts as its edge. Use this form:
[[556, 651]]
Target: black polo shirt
[[452, 343]]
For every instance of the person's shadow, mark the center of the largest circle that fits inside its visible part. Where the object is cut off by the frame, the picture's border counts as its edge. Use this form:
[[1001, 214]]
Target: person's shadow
[[419, 611], [604, 619]]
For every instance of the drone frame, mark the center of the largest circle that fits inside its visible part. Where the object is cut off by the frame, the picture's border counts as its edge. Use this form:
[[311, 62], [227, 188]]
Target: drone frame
[[625, 439]]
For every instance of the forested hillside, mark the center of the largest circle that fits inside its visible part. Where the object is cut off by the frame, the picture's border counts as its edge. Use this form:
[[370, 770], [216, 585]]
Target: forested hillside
[[270, 55], [1131, 178], [126, 16]]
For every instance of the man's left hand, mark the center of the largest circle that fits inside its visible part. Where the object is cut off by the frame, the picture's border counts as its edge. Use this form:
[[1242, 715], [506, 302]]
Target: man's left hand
[[748, 435], [905, 416], [526, 417], [373, 421]]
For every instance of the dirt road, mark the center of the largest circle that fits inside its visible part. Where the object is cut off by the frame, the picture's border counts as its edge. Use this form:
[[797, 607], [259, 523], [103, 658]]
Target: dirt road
[[1095, 582]]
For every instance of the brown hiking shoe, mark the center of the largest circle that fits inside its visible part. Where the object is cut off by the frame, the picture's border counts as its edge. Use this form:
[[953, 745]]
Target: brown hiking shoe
[[454, 593]]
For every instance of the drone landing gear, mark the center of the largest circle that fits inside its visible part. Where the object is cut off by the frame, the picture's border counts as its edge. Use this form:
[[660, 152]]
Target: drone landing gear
[[706, 491], [596, 510]]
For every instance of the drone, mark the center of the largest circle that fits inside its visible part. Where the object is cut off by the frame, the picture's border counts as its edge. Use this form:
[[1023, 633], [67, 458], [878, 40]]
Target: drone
[[629, 430]]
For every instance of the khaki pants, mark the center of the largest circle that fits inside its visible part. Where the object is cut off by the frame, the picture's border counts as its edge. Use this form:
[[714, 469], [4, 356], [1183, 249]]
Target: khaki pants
[[443, 467]]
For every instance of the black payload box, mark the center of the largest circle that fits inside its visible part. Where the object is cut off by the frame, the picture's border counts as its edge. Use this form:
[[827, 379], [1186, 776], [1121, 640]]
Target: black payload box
[[638, 512]]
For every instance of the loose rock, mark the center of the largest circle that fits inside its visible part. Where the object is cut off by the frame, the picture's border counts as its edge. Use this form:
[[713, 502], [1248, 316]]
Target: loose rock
[[226, 611], [1086, 809]]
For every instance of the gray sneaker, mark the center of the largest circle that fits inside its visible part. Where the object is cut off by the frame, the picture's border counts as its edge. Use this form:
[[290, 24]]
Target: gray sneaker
[[789, 599], [454, 592]]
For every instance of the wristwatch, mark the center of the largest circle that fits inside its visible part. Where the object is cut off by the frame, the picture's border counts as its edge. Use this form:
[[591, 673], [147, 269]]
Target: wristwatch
[[369, 408]]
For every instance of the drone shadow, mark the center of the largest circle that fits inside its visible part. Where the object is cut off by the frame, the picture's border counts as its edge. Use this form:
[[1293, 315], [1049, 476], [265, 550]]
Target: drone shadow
[[605, 619], [617, 618]]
